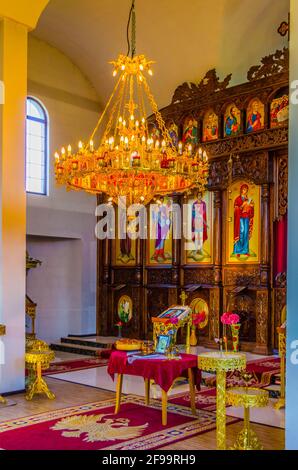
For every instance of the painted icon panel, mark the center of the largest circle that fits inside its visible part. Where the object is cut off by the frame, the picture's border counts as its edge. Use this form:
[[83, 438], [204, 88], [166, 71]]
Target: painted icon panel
[[279, 111], [125, 308], [125, 247], [161, 238], [255, 116], [232, 121], [243, 223], [210, 126], [190, 131], [198, 218]]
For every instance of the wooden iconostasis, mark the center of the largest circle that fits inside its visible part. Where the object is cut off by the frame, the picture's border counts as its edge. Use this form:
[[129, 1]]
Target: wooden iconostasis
[[235, 256]]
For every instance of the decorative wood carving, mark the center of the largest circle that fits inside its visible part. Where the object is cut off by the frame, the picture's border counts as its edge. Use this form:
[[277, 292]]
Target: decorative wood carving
[[254, 167], [242, 276], [262, 326], [124, 276], [267, 139], [214, 327], [280, 300], [270, 65], [282, 186], [199, 275], [209, 84], [159, 276]]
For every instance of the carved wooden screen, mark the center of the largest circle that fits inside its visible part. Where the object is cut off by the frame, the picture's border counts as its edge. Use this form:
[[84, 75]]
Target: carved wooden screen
[[241, 266]]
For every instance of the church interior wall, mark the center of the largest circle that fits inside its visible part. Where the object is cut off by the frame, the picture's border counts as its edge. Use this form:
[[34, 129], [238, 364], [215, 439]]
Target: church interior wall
[[72, 107]]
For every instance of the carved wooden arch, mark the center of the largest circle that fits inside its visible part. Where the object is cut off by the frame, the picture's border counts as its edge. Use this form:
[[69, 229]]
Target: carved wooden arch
[[250, 166]]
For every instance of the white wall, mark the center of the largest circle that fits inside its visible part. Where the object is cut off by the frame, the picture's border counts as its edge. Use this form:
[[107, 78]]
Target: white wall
[[65, 286]]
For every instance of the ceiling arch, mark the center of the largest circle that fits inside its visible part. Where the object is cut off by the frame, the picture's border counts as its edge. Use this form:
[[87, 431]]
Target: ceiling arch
[[186, 38]]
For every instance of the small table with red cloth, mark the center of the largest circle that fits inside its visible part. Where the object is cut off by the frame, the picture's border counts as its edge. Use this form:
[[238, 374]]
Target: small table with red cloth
[[164, 372]]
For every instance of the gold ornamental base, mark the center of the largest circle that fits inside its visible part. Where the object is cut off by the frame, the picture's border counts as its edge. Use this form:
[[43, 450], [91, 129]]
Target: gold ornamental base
[[2, 400], [39, 386], [247, 440], [280, 404]]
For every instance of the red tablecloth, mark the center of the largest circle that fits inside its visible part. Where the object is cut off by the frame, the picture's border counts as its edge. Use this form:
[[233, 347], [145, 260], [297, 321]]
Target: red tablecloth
[[163, 371]]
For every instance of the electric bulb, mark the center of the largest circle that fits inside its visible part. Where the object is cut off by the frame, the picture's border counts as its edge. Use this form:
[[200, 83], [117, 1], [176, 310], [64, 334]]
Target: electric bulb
[[91, 145], [69, 150], [150, 72], [115, 73]]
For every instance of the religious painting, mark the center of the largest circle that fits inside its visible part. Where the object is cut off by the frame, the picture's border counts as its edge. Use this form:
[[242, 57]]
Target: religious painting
[[190, 132], [125, 248], [154, 132], [279, 111], [198, 242], [210, 126], [125, 308], [161, 238], [200, 306], [173, 131], [243, 223], [255, 116], [232, 121]]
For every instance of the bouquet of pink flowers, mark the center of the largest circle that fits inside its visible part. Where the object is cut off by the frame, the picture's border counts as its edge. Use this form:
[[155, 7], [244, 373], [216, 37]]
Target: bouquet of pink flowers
[[232, 319], [198, 318], [229, 318]]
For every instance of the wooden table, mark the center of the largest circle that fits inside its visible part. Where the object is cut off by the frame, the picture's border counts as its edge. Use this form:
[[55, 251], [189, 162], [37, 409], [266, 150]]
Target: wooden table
[[164, 372]]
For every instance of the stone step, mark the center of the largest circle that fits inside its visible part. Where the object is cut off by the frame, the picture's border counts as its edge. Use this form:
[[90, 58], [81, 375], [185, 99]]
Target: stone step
[[86, 342], [79, 349]]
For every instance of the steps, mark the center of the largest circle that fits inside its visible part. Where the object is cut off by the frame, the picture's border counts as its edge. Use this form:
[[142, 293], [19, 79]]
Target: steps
[[96, 347]]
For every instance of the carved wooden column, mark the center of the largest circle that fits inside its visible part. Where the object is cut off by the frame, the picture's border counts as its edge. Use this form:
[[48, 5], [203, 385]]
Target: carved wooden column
[[217, 236], [265, 235], [262, 322], [176, 249], [103, 270]]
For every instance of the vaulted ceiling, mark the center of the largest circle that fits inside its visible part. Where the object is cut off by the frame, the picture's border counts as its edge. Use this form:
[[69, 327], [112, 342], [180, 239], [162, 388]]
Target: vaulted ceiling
[[186, 38]]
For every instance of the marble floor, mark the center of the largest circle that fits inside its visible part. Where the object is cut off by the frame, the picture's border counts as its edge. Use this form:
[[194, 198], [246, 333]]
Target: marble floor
[[99, 378]]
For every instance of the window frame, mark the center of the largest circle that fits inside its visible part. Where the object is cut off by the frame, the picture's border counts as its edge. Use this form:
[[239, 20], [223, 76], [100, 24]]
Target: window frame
[[45, 122]]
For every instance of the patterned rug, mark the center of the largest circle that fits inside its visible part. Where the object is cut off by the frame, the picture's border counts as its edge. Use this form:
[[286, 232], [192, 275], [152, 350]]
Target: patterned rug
[[94, 426], [71, 366], [263, 371]]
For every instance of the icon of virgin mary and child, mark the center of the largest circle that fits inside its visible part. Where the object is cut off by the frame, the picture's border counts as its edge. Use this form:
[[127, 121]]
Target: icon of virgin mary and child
[[243, 222]]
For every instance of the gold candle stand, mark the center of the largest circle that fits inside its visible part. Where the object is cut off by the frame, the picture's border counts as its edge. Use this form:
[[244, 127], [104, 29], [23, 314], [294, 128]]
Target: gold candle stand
[[38, 360], [282, 354], [221, 363], [247, 397], [2, 333]]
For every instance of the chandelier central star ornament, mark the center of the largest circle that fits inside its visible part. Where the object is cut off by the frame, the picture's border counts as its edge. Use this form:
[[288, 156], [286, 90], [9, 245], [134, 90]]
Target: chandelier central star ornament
[[122, 157]]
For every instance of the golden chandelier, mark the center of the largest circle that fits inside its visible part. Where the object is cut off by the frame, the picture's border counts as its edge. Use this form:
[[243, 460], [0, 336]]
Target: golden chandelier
[[128, 160]]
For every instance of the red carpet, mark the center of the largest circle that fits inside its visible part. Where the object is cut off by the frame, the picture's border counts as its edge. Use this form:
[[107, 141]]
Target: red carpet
[[71, 366], [94, 426]]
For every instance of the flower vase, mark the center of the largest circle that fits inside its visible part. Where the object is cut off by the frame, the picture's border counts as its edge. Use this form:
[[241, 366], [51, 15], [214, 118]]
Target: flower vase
[[235, 336], [193, 341]]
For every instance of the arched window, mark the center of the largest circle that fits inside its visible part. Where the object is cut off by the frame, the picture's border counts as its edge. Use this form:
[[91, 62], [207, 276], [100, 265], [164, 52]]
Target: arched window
[[36, 148]]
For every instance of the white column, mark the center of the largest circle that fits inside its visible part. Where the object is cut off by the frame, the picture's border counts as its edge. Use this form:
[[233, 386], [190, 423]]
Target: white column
[[13, 73], [292, 299]]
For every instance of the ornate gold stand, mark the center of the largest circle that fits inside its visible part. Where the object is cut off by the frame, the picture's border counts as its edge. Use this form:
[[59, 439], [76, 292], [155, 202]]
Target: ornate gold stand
[[281, 403], [247, 398], [38, 360], [221, 362], [2, 333]]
